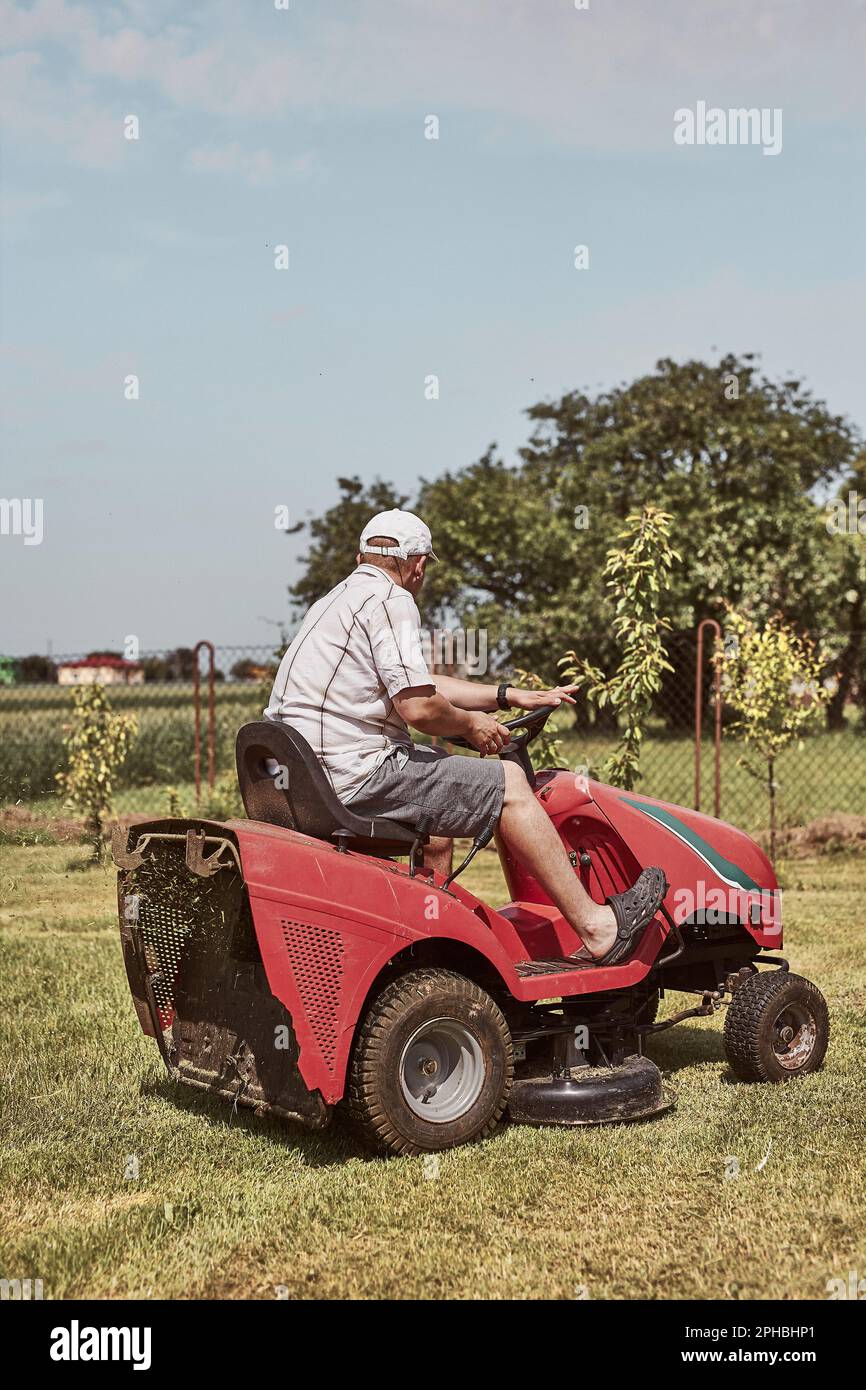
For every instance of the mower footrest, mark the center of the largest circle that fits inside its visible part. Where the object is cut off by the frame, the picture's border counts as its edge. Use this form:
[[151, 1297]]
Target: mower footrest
[[556, 965]]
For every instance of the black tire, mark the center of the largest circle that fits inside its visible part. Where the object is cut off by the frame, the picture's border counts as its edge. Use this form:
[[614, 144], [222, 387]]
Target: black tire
[[764, 1009], [382, 1073], [647, 1010]]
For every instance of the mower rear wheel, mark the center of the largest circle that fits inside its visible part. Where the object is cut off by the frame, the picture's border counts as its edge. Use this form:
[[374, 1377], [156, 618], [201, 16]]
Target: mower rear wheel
[[647, 1012], [432, 1065], [776, 1027]]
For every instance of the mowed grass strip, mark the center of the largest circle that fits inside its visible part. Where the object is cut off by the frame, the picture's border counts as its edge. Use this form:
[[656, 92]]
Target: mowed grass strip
[[227, 1205]]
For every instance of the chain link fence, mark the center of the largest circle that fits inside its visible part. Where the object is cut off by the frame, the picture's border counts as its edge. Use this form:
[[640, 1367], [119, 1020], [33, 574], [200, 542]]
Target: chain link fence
[[158, 691], [822, 775]]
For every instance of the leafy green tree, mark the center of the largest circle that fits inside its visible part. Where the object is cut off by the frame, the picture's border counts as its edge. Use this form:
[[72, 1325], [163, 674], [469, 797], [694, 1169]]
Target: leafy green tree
[[732, 455], [96, 745], [177, 665], [738, 459], [544, 749], [771, 679], [508, 550], [735, 457], [846, 527], [33, 669], [637, 573]]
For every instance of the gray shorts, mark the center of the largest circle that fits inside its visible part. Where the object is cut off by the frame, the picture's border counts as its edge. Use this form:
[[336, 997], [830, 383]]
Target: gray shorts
[[463, 795]]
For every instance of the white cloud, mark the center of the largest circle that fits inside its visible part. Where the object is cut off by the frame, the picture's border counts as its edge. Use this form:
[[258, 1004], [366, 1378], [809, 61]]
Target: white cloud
[[40, 113], [607, 78]]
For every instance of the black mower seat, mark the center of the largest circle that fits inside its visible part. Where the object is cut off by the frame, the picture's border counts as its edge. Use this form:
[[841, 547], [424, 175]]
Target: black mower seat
[[307, 802]]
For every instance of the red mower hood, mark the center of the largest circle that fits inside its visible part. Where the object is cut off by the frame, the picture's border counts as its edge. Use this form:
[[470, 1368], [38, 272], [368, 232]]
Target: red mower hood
[[728, 855]]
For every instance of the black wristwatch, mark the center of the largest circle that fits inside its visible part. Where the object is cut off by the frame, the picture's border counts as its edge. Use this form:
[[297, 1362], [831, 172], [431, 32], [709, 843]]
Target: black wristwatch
[[501, 692]]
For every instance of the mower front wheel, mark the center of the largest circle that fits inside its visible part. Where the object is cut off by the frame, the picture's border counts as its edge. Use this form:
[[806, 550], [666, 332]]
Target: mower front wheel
[[776, 1027], [432, 1065]]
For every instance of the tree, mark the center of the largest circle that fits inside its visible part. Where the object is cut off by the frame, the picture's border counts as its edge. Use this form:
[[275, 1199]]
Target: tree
[[36, 669], [732, 455], [636, 573], [771, 679], [247, 670], [846, 525], [735, 457], [177, 665], [97, 745], [508, 551]]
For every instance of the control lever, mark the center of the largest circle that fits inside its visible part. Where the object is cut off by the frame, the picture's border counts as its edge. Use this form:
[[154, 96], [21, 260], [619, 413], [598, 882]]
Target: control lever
[[422, 830], [478, 843]]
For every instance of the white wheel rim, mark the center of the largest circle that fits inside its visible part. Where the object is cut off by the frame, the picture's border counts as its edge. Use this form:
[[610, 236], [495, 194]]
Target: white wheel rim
[[442, 1070]]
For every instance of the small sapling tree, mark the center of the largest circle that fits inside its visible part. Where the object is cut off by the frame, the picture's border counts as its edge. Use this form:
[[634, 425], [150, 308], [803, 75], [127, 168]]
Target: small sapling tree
[[96, 744], [771, 680], [637, 572]]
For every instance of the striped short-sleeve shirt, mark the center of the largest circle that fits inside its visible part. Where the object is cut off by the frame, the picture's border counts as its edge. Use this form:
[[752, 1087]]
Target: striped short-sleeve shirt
[[356, 649]]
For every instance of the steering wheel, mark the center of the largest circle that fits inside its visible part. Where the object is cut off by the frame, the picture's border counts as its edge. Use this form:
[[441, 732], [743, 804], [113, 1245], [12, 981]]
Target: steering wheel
[[528, 726]]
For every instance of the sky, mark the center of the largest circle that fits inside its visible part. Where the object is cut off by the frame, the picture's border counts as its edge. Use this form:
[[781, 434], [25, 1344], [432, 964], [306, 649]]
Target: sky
[[307, 127]]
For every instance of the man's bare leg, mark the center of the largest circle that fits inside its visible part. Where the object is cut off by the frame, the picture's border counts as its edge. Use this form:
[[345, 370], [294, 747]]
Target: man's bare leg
[[531, 836], [439, 854]]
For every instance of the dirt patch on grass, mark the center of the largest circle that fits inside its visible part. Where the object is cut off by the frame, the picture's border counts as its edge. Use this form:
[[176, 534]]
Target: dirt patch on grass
[[841, 833], [20, 826]]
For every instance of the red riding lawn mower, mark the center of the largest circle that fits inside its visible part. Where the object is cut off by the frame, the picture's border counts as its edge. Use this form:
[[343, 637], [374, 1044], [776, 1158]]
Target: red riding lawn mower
[[291, 963]]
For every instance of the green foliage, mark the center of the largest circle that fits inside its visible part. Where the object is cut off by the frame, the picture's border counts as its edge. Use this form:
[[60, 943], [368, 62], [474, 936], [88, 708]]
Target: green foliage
[[771, 679], [544, 751], [96, 746], [636, 573], [177, 665], [523, 547], [850, 557], [224, 802], [31, 735]]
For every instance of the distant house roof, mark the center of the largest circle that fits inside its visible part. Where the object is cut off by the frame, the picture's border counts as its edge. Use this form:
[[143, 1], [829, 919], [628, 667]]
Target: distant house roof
[[115, 663]]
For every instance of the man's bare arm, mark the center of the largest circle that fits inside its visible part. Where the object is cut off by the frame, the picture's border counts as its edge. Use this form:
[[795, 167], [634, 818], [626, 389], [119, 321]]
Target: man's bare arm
[[475, 695], [466, 695], [435, 714]]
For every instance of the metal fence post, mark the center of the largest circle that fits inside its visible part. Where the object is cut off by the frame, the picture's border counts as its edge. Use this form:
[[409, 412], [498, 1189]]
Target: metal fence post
[[211, 718], [717, 721]]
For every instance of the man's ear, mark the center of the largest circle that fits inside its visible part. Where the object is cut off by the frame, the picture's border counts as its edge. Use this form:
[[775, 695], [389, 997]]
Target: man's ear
[[358, 558]]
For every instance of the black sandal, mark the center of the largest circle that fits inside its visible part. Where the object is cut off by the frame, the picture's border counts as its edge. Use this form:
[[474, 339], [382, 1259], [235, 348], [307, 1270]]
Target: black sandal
[[634, 911]]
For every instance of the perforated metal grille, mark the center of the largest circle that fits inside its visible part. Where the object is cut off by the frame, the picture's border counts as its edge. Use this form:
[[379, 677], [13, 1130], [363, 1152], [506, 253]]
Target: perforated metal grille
[[165, 934], [316, 955]]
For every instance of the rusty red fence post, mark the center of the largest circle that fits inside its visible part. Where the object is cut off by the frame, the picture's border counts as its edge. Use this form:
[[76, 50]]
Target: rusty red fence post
[[717, 719], [211, 717]]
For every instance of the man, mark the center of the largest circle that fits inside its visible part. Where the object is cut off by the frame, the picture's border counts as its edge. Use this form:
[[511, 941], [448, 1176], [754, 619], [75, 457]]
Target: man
[[352, 682]]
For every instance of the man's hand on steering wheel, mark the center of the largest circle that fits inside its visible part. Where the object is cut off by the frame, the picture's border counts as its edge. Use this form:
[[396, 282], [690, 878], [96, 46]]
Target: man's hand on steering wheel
[[534, 699], [486, 734]]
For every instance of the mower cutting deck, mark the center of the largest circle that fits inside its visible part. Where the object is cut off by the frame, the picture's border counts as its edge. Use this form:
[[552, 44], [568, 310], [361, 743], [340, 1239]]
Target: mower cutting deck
[[290, 963]]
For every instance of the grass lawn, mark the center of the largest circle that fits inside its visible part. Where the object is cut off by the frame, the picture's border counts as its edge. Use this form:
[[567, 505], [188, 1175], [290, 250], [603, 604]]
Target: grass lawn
[[226, 1205]]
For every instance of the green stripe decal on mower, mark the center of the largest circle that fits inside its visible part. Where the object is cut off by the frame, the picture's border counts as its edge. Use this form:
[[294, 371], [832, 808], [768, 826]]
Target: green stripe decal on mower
[[731, 873]]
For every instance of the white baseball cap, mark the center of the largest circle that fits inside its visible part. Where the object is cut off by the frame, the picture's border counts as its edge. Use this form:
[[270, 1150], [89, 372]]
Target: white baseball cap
[[409, 531]]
